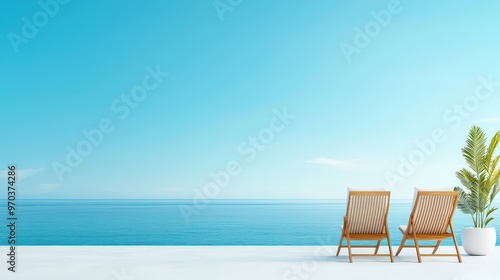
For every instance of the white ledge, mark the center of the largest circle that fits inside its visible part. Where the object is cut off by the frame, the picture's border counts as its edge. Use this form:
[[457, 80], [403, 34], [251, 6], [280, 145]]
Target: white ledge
[[236, 263]]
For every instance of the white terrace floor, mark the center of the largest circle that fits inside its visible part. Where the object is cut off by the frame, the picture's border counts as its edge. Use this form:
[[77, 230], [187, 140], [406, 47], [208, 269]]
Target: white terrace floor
[[236, 263]]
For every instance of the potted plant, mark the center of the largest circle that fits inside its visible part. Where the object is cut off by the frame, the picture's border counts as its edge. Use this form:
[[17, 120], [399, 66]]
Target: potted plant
[[480, 185]]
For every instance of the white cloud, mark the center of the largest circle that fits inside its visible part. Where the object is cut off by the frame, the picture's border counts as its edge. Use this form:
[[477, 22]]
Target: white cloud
[[489, 120], [23, 173], [355, 163]]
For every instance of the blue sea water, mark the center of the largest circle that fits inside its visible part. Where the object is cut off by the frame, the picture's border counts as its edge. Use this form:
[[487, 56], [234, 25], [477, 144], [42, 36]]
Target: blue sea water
[[222, 222]]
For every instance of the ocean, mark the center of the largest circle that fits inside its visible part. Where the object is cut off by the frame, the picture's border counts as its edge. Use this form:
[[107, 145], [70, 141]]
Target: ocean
[[221, 222]]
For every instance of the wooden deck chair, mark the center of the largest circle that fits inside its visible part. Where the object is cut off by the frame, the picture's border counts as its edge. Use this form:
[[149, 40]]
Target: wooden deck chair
[[430, 219], [366, 219]]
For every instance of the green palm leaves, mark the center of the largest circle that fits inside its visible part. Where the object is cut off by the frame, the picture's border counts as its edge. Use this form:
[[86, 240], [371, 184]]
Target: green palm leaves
[[480, 184]]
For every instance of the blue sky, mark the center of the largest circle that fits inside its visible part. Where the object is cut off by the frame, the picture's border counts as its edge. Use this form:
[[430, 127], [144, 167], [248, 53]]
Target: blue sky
[[232, 71]]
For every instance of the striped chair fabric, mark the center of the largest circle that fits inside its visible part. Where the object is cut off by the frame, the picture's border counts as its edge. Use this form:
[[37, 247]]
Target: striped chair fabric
[[366, 213]]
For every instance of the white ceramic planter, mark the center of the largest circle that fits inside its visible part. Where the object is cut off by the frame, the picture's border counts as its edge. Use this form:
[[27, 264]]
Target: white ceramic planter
[[479, 241]]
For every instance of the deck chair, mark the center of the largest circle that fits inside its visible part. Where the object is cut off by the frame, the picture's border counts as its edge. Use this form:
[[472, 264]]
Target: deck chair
[[366, 219], [430, 219]]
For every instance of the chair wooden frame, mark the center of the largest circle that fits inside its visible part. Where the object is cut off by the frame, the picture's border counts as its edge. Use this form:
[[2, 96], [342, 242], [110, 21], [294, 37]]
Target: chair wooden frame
[[366, 228], [436, 221]]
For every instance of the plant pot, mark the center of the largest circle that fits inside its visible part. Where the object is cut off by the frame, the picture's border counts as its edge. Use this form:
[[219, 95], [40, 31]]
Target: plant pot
[[479, 241]]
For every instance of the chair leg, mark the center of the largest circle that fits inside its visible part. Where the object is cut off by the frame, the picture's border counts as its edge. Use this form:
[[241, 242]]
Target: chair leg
[[378, 246], [340, 244], [349, 248], [389, 243], [456, 244], [401, 245], [418, 250], [437, 246]]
